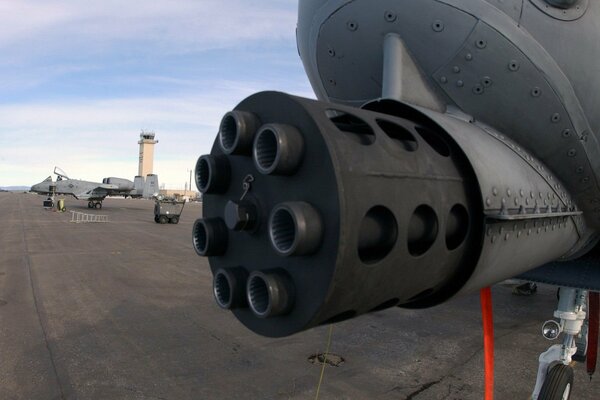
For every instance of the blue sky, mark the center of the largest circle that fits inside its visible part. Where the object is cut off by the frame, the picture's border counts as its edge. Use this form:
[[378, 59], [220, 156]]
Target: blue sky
[[80, 80]]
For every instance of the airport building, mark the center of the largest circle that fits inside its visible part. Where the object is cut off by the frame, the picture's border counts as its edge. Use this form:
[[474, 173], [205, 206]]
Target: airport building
[[146, 142], [146, 167], [180, 194]]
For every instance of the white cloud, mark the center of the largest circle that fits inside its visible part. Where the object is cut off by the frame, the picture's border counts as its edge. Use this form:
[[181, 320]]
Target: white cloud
[[170, 25], [50, 119]]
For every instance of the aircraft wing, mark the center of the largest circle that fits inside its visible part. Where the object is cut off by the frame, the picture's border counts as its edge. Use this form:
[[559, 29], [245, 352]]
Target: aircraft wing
[[98, 192], [107, 186]]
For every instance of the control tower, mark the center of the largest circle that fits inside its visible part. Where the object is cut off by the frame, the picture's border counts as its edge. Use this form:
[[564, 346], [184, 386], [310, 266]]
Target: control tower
[[146, 143]]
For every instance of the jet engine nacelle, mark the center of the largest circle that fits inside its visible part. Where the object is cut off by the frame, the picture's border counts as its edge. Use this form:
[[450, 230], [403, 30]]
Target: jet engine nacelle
[[123, 184], [315, 213]]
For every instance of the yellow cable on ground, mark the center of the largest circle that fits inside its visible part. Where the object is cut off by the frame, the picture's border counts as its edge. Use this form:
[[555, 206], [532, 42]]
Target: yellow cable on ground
[[324, 361]]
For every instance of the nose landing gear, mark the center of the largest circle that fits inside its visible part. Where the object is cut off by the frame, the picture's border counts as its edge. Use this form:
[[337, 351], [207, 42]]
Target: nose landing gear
[[555, 374]]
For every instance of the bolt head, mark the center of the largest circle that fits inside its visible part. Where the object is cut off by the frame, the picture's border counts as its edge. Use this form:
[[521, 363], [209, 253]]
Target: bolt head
[[240, 216]]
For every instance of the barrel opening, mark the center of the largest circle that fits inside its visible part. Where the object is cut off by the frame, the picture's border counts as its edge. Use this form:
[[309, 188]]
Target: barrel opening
[[283, 230], [434, 140], [400, 135], [457, 226], [422, 230], [377, 236], [341, 317], [422, 295], [386, 304], [222, 290], [202, 174], [266, 149], [228, 132], [355, 128], [200, 238], [258, 295]]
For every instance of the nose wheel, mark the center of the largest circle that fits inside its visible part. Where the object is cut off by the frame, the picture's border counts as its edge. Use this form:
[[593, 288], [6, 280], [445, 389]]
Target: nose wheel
[[555, 374], [558, 383]]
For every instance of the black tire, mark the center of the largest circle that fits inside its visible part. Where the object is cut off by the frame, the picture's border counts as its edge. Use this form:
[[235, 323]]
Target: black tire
[[163, 219], [90, 205], [156, 219], [98, 206], [174, 220], [558, 384]]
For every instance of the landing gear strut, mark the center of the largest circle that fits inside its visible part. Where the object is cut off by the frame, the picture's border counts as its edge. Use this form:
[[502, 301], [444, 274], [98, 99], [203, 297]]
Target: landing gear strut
[[555, 374], [97, 204]]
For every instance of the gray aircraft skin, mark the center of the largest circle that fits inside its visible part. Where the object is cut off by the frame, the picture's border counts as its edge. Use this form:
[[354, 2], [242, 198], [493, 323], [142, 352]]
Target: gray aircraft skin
[[454, 144], [94, 192]]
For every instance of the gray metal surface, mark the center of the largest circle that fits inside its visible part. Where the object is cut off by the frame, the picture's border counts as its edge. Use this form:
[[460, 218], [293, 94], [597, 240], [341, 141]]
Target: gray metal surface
[[512, 183], [524, 67], [401, 184], [129, 314]]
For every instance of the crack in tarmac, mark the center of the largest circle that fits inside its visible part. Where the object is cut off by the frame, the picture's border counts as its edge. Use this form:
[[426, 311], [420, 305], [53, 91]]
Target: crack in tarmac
[[426, 386], [423, 388]]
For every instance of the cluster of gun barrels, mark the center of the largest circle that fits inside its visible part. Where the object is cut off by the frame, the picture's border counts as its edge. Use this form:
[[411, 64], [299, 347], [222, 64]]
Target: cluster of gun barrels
[[295, 228]]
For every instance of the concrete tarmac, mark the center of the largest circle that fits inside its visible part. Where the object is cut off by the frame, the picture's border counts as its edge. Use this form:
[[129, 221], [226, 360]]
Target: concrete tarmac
[[124, 310]]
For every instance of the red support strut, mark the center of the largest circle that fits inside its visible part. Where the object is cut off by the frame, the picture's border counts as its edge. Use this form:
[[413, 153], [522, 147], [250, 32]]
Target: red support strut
[[488, 341]]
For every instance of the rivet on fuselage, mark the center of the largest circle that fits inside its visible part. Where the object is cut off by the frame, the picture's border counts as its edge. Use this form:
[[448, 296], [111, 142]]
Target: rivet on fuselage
[[486, 81], [513, 65], [352, 25], [437, 25], [390, 16]]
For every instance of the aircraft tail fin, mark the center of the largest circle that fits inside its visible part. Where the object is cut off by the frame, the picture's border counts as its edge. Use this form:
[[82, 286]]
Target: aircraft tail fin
[[138, 184], [151, 185]]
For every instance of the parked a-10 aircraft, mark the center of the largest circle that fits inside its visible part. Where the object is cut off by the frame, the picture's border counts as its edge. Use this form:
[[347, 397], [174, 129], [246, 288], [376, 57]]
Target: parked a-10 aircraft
[[95, 192], [455, 144]]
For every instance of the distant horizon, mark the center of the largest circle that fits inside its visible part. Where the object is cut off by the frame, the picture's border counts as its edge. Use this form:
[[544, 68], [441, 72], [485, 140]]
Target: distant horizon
[[16, 187], [160, 184]]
